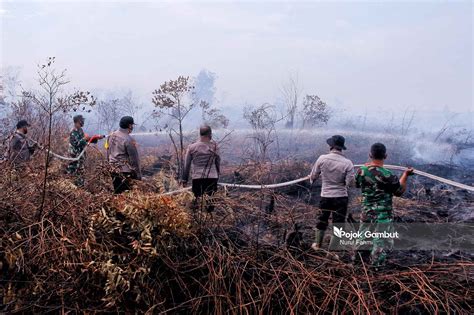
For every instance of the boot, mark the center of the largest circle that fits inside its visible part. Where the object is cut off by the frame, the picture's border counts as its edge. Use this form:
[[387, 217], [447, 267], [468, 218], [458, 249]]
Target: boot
[[333, 242], [318, 240], [332, 245]]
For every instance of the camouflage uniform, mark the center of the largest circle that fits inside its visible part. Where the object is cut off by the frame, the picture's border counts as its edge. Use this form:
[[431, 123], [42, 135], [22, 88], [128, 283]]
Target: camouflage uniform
[[378, 186], [77, 144]]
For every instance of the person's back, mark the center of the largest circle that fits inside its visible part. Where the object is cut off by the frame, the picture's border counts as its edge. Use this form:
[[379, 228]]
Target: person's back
[[203, 162], [122, 154], [117, 154], [378, 186], [204, 158], [335, 172]]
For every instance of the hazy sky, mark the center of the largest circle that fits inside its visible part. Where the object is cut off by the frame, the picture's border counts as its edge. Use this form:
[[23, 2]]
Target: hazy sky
[[357, 55]]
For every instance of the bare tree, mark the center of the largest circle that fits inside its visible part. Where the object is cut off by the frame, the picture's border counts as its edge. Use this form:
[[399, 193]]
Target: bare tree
[[263, 120], [24, 108], [128, 105], [2, 92], [109, 113], [468, 136], [446, 126], [10, 83], [112, 107], [205, 90], [19, 105], [461, 140], [291, 92], [53, 99], [389, 127], [407, 121], [315, 112], [213, 116], [174, 101]]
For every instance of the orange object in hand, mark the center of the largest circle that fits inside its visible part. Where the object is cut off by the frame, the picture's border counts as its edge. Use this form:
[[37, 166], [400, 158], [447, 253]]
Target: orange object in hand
[[95, 138]]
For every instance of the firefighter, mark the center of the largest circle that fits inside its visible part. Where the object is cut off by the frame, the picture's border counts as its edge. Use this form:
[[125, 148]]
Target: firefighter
[[20, 150], [204, 160], [78, 141], [122, 156], [378, 186], [337, 174]]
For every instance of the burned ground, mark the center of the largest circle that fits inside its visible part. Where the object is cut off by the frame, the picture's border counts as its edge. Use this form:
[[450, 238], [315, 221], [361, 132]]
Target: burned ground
[[145, 253]]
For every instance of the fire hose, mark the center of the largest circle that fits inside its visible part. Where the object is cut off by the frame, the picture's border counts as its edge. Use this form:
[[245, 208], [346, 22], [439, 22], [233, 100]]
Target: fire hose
[[67, 158], [284, 184], [392, 167], [302, 179]]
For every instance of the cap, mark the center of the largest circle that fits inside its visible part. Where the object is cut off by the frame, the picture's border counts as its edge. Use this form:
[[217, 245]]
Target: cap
[[125, 121], [22, 123]]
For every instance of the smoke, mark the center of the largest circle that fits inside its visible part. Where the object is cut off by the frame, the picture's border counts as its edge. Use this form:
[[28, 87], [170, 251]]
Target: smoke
[[432, 152], [312, 142], [204, 86]]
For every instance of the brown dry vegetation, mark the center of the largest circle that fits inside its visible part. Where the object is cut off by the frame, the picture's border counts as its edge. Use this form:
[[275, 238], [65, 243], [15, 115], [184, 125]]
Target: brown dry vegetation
[[139, 252]]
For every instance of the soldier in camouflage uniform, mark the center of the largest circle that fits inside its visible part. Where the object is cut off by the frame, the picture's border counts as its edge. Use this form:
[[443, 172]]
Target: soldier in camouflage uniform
[[78, 141], [77, 144], [378, 186]]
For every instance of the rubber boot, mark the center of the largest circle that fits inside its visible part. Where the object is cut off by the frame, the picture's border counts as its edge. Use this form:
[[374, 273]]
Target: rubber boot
[[318, 241], [332, 245]]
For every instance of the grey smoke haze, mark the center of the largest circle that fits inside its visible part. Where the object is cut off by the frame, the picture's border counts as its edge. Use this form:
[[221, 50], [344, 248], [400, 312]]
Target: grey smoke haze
[[355, 55], [205, 88]]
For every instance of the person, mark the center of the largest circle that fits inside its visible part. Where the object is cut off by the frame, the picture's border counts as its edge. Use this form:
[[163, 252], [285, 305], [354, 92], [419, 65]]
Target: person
[[204, 160], [78, 141], [337, 174], [378, 186], [122, 156], [20, 150]]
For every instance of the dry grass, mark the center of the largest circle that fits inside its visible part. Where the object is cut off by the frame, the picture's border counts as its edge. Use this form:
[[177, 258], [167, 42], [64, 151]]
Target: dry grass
[[139, 252]]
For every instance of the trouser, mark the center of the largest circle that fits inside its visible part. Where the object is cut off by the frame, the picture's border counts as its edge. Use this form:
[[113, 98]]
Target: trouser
[[204, 186], [375, 249], [336, 206], [76, 168], [121, 182]]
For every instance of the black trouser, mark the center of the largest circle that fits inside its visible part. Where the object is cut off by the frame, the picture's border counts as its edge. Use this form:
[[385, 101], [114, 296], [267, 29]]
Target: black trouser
[[337, 206], [121, 182], [204, 186]]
